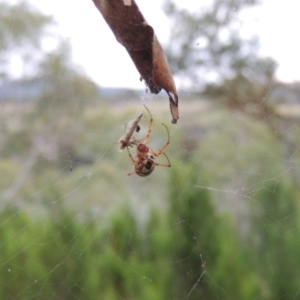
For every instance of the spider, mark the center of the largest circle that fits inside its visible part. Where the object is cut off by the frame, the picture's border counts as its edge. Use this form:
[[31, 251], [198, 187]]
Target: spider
[[144, 161], [128, 140]]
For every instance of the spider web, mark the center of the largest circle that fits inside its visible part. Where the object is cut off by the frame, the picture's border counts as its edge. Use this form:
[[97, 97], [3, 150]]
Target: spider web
[[221, 223]]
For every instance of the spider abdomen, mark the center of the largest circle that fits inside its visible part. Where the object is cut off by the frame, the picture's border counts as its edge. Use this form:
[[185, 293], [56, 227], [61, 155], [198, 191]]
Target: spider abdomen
[[145, 167]]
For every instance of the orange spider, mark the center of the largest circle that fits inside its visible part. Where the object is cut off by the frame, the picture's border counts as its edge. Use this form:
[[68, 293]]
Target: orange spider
[[144, 161]]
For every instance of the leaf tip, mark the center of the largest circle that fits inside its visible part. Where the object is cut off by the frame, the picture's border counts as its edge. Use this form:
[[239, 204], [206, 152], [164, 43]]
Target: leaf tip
[[173, 107]]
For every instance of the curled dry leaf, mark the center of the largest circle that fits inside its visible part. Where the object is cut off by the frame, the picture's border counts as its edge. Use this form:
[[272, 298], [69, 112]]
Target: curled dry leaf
[[137, 36]]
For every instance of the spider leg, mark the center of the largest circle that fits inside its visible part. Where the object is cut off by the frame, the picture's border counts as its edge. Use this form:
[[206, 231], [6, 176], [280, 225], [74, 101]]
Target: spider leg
[[131, 160], [163, 165], [130, 155], [150, 127], [165, 146]]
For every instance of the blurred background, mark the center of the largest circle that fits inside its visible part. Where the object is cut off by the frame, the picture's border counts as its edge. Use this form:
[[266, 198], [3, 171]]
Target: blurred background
[[221, 223]]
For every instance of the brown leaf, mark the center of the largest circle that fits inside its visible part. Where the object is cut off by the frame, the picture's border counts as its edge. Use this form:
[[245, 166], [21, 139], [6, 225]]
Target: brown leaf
[[137, 36]]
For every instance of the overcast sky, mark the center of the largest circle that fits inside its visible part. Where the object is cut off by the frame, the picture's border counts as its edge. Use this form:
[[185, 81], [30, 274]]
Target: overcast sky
[[95, 49]]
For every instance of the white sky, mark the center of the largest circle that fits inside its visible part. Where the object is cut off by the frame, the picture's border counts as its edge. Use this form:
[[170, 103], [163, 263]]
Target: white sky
[[97, 52]]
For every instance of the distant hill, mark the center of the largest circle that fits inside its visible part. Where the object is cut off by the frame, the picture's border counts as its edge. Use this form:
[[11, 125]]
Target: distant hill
[[30, 90], [283, 92], [21, 90]]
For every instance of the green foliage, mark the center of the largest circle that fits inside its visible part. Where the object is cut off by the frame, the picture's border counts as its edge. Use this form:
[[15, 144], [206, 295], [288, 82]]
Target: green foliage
[[195, 238], [16, 143], [205, 247], [23, 30], [189, 250], [208, 41], [44, 259], [276, 226], [22, 36]]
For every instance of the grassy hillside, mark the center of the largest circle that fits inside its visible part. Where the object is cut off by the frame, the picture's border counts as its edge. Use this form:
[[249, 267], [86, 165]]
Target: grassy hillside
[[233, 153]]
